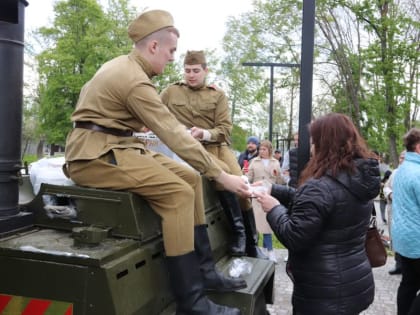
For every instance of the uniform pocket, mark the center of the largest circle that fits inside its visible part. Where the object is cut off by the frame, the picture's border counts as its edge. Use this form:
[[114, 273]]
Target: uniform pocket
[[178, 102], [207, 106]]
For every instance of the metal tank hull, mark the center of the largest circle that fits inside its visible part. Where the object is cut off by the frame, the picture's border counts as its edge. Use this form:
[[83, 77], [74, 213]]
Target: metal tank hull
[[108, 257]]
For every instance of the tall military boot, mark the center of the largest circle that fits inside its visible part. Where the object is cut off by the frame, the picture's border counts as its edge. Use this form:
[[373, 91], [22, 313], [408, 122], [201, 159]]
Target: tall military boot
[[251, 233], [230, 205], [187, 286], [213, 280]]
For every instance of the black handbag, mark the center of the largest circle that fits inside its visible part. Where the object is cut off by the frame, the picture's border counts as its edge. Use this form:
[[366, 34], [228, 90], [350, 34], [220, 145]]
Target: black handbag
[[375, 248]]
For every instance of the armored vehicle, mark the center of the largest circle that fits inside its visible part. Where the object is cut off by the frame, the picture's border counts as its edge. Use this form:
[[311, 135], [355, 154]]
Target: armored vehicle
[[75, 250]]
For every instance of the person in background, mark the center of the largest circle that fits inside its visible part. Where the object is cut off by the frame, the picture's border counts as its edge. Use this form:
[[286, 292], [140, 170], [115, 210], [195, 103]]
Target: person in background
[[388, 195], [250, 153], [326, 226], [405, 228], [383, 168], [382, 198], [265, 168], [290, 163], [204, 110], [101, 153], [278, 156], [245, 158]]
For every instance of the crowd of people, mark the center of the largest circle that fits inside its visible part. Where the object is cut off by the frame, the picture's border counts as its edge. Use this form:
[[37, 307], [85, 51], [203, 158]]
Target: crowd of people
[[321, 217]]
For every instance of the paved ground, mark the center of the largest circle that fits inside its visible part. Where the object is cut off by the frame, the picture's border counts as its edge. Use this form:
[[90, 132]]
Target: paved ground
[[385, 295]]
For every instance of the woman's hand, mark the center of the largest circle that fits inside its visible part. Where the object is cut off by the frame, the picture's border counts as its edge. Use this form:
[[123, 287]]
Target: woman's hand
[[267, 201], [262, 185]]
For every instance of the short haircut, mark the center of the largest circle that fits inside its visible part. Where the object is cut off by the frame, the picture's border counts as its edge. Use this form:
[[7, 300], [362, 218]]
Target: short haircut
[[411, 139]]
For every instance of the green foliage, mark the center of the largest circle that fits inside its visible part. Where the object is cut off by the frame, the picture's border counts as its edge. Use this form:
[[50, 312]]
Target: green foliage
[[82, 38], [239, 136], [389, 96], [267, 34], [172, 73], [366, 66], [29, 158]]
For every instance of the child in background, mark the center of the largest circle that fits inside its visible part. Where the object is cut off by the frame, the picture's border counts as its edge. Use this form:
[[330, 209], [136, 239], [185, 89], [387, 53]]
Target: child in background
[[265, 168]]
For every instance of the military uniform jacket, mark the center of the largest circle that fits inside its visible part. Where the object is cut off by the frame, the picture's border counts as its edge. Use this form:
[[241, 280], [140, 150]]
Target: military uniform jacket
[[205, 108], [122, 96]]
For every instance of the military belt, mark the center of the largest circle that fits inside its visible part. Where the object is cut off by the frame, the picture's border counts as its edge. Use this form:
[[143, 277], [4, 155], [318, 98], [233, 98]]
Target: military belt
[[112, 131]]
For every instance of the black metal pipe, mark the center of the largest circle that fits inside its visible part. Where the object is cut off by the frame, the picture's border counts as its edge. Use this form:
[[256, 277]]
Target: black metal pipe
[[270, 115], [271, 108], [306, 73], [11, 96]]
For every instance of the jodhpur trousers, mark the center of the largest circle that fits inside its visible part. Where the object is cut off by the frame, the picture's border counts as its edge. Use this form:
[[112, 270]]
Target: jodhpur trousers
[[174, 191]]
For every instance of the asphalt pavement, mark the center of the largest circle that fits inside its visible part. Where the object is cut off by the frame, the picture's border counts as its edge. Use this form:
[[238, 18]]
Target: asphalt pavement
[[386, 286]]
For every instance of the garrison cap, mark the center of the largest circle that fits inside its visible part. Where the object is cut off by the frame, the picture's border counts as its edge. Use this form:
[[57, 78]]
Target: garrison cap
[[195, 57], [148, 23]]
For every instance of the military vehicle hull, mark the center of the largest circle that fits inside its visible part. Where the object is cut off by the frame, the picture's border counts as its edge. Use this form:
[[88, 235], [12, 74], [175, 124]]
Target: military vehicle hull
[[106, 257]]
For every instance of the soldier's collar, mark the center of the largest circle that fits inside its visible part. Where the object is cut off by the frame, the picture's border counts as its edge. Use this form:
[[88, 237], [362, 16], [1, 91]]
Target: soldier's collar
[[147, 67]]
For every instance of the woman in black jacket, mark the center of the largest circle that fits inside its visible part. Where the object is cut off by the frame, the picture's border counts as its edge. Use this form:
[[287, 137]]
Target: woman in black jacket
[[326, 226]]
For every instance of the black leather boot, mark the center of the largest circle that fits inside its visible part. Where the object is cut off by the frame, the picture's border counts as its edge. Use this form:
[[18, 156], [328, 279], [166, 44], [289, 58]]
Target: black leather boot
[[397, 269], [251, 233], [187, 287], [230, 205], [213, 280]]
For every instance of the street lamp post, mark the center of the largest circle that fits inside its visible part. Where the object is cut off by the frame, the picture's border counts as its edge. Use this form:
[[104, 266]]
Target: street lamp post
[[306, 73], [271, 65]]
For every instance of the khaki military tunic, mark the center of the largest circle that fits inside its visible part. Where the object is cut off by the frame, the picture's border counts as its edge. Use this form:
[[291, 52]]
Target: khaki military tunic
[[121, 96], [206, 108]]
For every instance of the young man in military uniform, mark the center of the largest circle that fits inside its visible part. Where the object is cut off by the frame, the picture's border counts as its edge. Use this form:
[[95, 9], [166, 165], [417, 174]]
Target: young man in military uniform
[[101, 153], [204, 110]]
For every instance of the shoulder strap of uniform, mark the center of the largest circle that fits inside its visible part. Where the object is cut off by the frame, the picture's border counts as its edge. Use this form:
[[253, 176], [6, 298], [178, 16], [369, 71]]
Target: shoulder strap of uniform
[[213, 87]]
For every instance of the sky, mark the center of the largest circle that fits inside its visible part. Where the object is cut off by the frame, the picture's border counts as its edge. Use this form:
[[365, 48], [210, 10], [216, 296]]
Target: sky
[[201, 22]]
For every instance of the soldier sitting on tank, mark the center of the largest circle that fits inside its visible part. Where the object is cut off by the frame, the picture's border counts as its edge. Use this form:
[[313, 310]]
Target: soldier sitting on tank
[[101, 153], [204, 110]]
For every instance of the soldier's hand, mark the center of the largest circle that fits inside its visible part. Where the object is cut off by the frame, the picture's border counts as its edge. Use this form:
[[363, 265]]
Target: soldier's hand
[[233, 183], [197, 133]]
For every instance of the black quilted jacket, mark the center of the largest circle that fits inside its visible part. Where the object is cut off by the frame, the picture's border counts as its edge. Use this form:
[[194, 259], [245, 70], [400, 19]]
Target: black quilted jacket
[[324, 232]]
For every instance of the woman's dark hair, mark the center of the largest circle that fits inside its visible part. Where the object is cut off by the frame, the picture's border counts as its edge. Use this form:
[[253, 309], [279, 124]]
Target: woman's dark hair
[[336, 143]]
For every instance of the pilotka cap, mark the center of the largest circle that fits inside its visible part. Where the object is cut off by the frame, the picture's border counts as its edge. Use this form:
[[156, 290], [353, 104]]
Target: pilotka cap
[[148, 23], [195, 57]]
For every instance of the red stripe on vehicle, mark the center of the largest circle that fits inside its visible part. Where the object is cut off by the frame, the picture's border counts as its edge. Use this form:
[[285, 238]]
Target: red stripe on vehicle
[[69, 310], [4, 300], [36, 307]]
